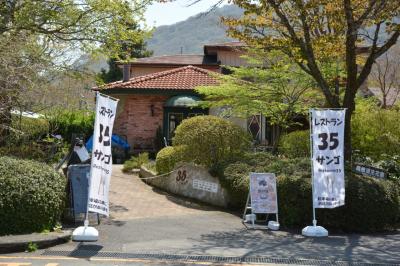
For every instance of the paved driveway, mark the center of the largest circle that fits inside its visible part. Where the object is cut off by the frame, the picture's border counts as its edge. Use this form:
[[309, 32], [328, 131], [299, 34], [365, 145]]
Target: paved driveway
[[147, 223]]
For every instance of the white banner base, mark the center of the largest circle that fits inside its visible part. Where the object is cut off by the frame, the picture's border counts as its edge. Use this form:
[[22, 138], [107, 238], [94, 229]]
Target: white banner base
[[274, 226], [314, 231], [85, 233]]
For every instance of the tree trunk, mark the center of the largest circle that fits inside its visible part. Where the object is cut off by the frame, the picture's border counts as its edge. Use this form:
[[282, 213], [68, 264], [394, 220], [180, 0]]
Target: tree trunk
[[5, 124]]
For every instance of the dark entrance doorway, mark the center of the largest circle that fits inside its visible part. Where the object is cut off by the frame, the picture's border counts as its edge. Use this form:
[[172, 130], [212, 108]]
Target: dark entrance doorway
[[177, 109]]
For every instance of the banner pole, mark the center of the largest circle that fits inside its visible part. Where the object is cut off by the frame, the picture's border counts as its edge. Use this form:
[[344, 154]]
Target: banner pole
[[312, 168], [86, 223], [313, 230]]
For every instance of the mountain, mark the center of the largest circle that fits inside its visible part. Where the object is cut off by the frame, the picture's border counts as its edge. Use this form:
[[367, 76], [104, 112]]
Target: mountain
[[190, 35]]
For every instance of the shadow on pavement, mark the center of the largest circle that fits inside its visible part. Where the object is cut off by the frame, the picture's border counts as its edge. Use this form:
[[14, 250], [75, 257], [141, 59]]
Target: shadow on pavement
[[86, 250]]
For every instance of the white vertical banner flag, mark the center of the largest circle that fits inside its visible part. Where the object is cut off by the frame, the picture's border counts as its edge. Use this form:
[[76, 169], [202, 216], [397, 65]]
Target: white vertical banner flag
[[328, 157], [263, 193], [101, 167]]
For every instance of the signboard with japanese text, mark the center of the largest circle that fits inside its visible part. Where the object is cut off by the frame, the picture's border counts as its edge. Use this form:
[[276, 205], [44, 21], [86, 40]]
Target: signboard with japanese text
[[328, 157], [101, 167], [263, 193]]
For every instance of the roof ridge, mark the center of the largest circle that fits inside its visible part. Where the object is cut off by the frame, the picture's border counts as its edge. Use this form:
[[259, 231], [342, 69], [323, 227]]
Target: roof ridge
[[165, 73]]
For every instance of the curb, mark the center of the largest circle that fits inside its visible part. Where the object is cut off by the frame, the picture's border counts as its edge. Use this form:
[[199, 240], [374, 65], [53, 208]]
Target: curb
[[19, 243]]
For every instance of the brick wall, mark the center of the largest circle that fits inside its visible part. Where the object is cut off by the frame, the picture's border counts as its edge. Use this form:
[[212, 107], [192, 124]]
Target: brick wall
[[135, 121]]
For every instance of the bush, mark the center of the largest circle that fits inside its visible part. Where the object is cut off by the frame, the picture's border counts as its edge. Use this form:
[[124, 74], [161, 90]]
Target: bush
[[375, 131], [67, 122], [27, 129], [211, 140], [168, 157], [135, 162], [32, 196], [295, 144], [236, 175]]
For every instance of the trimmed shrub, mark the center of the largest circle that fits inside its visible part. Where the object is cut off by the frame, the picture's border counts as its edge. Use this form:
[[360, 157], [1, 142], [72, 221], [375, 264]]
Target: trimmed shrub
[[32, 196], [135, 162], [372, 205], [211, 140], [295, 144], [168, 157]]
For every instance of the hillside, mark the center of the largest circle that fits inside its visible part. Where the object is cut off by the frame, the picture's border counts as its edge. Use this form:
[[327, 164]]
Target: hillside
[[193, 33]]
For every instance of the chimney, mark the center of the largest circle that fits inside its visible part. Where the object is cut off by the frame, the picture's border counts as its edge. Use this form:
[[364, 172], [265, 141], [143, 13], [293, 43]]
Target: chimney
[[126, 72]]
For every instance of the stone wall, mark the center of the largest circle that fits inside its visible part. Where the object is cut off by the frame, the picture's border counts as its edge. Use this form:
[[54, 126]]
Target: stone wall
[[136, 121], [190, 181]]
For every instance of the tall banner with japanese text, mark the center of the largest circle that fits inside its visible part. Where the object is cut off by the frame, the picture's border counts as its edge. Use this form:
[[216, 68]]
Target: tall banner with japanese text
[[263, 193], [101, 167], [328, 157]]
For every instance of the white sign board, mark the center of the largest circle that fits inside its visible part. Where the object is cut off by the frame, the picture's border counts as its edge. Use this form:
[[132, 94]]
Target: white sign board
[[263, 193], [204, 185], [328, 157], [101, 167]]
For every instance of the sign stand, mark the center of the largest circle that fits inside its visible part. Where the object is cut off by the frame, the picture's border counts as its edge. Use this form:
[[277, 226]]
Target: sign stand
[[266, 185], [313, 230], [272, 225], [105, 120], [324, 124]]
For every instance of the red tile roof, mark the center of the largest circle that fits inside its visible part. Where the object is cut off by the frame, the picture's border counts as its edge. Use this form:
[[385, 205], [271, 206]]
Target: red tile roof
[[183, 78]]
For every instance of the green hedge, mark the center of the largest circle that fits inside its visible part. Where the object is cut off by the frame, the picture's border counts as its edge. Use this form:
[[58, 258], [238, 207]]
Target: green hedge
[[28, 129], [295, 144], [168, 157], [211, 140], [67, 122], [32, 196], [371, 205]]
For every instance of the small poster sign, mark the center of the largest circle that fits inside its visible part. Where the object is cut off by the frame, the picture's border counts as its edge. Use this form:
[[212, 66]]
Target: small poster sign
[[263, 193]]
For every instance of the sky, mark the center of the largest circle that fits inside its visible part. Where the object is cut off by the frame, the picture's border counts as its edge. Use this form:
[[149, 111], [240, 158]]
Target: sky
[[169, 13]]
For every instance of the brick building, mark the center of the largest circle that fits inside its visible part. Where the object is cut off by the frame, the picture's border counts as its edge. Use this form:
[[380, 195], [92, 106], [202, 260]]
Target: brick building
[[158, 92]]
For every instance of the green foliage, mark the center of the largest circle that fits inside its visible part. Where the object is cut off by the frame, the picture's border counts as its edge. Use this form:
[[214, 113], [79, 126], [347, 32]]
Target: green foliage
[[109, 24], [67, 122], [295, 144], [210, 140], [375, 131], [151, 165], [32, 247], [269, 85], [168, 157], [32, 196], [130, 50], [27, 129], [135, 162], [371, 204]]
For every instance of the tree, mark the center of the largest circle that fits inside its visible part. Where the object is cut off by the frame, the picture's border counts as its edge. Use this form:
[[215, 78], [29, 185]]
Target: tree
[[268, 85], [21, 75], [130, 51], [323, 32], [39, 37], [88, 23], [386, 75]]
